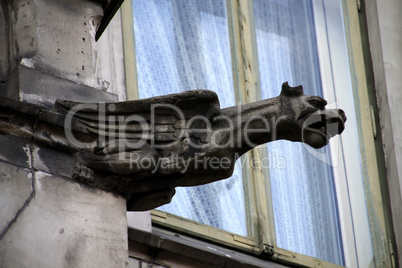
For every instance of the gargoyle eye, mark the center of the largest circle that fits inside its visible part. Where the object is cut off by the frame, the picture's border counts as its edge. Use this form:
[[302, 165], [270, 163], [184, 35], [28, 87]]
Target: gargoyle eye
[[317, 102]]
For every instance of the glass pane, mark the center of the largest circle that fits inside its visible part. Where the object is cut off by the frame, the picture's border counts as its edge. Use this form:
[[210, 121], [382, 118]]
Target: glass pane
[[183, 45], [303, 191]]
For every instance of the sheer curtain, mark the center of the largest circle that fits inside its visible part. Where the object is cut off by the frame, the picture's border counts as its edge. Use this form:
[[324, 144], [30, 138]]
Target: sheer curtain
[[303, 193], [183, 45]]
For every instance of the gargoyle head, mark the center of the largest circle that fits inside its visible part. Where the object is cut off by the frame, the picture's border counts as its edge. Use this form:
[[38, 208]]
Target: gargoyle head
[[310, 121]]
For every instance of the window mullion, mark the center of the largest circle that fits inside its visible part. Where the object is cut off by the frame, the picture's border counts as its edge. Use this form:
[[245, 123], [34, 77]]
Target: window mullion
[[244, 50], [130, 65], [247, 87]]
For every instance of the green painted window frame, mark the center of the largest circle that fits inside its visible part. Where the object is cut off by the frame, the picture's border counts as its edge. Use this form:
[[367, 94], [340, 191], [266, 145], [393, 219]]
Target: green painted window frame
[[246, 84]]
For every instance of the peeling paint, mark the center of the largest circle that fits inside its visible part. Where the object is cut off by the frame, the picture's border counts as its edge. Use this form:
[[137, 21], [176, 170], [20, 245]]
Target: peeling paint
[[219, 251], [27, 150], [38, 178], [30, 63], [33, 98], [37, 161]]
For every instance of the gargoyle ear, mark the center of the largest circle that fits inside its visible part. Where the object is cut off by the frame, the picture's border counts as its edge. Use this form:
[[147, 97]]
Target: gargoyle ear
[[291, 91]]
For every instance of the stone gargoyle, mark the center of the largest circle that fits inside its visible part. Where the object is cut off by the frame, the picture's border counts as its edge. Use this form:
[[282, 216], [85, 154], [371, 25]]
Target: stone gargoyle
[[148, 147], [145, 148]]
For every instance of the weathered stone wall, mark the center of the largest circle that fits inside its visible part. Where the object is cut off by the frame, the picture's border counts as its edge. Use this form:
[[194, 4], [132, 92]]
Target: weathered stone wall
[[51, 51], [56, 37], [385, 36], [48, 52], [47, 220]]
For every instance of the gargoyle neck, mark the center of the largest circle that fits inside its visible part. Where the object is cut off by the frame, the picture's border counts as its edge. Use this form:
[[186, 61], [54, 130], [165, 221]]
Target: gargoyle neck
[[253, 124]]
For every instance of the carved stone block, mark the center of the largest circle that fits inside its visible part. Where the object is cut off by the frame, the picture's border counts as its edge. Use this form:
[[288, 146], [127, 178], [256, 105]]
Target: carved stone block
[[143, 149]]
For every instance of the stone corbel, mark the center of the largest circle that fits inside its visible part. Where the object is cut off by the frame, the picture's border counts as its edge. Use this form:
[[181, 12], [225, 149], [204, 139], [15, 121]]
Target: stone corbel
[[143, 149]]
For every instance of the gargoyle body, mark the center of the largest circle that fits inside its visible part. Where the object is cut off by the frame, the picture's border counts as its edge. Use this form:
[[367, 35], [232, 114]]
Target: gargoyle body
[[145, 148]]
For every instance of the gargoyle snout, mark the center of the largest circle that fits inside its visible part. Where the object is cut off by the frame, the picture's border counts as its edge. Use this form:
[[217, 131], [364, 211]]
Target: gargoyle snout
[[329, 122], [335, 120]]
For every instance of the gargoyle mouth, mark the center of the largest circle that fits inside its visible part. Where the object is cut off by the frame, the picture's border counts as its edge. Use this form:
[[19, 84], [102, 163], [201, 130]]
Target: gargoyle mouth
[[320, 126]]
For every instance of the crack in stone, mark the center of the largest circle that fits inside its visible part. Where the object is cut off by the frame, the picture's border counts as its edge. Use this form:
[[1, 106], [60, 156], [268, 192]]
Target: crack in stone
[[26, 203]]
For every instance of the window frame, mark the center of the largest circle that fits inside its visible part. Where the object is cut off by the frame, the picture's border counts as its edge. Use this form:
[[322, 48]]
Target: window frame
[[373, 169], [247, 89]]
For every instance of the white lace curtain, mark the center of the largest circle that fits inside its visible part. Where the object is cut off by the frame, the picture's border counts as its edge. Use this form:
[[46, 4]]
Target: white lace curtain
[[183, 45], [303, 193]]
